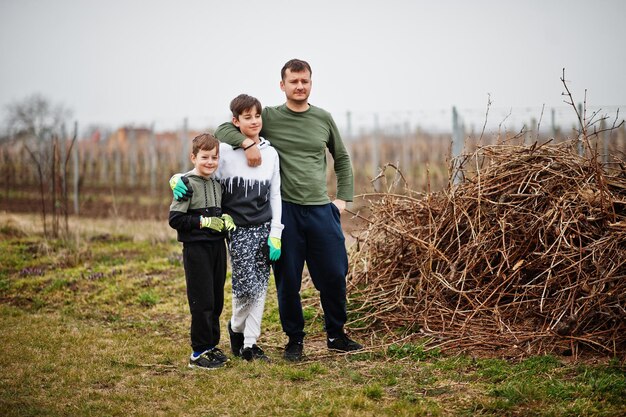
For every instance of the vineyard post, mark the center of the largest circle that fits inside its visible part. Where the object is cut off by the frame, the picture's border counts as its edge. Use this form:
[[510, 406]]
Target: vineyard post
[[582, 135], [103, 158], [63, 172], [532, 133], [62, 158], [55, 160], [406, 146], [605, 142], [457, 145], [66, 157], [375, 157], [153, 159], [184, 142], [117, 155], [76, 173], [553, 127], [132, 156]]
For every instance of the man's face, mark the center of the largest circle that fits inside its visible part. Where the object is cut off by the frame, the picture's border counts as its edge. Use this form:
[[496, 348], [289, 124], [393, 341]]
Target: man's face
[[205, 162], [249, 123], [297, 86]]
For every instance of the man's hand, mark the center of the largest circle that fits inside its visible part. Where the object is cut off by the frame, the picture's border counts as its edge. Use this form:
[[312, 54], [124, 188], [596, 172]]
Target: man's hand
[[180, 187], [229, 224], [214, 223], [340, 204], [253, 154], [274, 244]]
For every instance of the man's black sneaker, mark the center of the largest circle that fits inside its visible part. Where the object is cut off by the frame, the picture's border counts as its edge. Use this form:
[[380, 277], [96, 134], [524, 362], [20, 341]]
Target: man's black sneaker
[[343, 343], [206, 360], [293, 351], [236, 341], [254, 353]]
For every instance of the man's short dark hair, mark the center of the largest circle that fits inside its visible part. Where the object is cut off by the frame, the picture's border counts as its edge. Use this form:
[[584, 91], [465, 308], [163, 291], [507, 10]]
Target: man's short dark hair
[[295, 65], [244, 102], [205, 142]]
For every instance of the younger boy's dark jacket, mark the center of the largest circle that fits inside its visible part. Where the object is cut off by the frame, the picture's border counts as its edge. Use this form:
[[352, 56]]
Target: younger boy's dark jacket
[[206, 201]]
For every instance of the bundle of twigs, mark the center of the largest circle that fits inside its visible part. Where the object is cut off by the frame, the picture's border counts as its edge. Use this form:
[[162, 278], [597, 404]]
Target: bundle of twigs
[[528, 252]]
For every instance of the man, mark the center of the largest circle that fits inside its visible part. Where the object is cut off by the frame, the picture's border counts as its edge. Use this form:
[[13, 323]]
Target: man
[[301, 133]]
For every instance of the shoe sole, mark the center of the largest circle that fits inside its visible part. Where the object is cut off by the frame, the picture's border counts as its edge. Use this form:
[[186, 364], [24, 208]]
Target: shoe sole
[[192, 366], [350, 349], [344, 351]]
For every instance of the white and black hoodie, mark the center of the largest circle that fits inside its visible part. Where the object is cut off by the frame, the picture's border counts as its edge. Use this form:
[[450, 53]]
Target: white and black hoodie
[[251, 195]]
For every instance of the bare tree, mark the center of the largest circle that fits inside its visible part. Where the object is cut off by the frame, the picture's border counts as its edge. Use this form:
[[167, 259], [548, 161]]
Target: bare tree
[[36, 116], [38, 122]]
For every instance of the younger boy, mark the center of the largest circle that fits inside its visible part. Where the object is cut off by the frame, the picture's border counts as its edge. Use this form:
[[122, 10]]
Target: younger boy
[[252, 196], [201, 228]]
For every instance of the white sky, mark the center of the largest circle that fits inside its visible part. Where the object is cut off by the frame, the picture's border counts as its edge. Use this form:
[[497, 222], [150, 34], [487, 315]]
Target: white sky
[[132, 61]]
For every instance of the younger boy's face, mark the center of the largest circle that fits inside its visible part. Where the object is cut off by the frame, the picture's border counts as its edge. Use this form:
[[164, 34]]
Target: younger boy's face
[[206, 162], [249, 123]]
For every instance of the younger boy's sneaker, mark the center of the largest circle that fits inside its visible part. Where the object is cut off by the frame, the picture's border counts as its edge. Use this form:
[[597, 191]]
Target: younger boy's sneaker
[[254, 353], [206, 360], [293, 351], [343, 343], [236, 341]]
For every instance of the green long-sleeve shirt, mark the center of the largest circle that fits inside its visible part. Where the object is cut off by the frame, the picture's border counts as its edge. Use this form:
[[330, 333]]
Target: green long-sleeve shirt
[[301, 140]]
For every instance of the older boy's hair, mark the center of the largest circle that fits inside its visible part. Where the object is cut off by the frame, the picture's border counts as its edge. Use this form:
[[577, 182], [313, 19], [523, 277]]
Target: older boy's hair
[[295, 65], [244, 102], [205, 142]]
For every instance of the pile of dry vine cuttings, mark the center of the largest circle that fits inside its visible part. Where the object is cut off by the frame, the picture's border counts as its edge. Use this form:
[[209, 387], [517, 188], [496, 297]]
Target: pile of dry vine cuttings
[[526, 253]]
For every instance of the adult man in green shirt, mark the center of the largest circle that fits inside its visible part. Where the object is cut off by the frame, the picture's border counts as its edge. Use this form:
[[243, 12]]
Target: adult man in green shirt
[[301, 133]]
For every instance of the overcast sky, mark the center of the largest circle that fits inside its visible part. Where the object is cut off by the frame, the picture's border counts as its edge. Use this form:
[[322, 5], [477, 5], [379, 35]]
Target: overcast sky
[[132, 61]]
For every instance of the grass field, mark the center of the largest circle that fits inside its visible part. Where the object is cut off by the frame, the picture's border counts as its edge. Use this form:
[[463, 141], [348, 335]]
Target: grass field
[[97, 325]]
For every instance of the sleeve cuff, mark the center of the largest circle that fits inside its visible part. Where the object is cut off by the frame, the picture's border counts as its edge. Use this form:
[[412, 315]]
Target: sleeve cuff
[[276, 230]]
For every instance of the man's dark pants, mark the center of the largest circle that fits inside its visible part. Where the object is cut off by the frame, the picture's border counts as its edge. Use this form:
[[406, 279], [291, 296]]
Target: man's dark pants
[[312, 234]]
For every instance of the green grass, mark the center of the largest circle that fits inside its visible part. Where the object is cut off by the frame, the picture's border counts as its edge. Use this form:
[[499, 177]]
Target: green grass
[[106, 333]]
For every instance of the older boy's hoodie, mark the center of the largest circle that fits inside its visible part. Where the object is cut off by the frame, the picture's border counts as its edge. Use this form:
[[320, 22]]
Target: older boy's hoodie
[[206, 201], [251, 195]]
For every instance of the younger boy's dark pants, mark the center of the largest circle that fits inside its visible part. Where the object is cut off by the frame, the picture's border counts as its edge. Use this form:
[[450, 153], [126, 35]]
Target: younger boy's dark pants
[[205, 273]]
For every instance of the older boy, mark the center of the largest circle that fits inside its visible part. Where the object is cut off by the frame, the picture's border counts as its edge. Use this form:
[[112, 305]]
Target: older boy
[[252, 196]]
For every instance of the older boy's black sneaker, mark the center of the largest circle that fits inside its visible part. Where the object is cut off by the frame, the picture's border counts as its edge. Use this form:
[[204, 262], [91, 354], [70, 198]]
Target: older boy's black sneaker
[[206, 360], [254, 353], [343, 343], [236, 341], [219, 355], [293, 351]]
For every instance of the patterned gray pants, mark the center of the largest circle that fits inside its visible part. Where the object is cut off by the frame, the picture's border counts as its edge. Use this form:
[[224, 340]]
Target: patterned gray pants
[[250, 276]]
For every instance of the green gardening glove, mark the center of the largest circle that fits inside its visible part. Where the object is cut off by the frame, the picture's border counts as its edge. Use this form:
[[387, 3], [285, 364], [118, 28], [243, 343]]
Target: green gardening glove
[[214, 223], [274, 244], [229, 224], [180, 187]]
